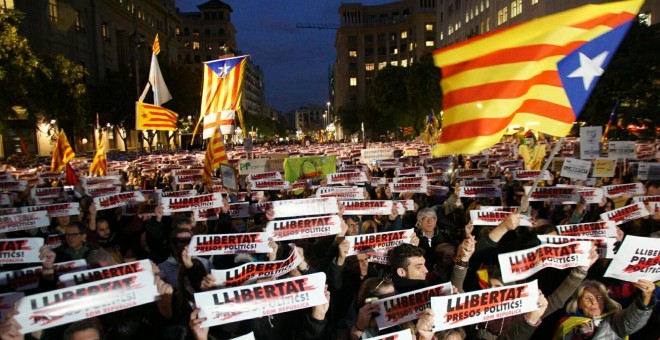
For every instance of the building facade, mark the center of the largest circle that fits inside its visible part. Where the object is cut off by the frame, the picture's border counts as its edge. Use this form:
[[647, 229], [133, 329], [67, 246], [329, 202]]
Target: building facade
[[310, 120], [459, 20], [370, 38]]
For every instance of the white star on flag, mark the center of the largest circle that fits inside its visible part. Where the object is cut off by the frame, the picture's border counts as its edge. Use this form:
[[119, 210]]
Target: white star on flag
[[589, 69], [224, 70]]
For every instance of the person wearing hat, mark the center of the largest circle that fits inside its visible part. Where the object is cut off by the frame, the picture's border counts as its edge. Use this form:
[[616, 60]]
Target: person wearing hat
[[531, 152]]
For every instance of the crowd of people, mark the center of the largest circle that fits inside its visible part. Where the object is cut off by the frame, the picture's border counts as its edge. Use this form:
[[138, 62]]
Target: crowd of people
[[576, 303]]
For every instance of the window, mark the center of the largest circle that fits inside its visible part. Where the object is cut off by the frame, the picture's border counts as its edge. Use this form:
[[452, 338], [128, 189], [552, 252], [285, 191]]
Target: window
[[368, 52], [105, 31], [221, 32], [428, 27], [430, 43], [534, 2], [404, 34], [7, 4], [394, 50], [53, 11], [352, 53], [207, 32], [80, 24], [382, 65], [392, 36], [195, 33], [381, 38], [404, 63], [394, 62], [516, 8], [352, 39], [644, 18], [186, 32], [353, 81], [411, 46], [195, 45], [369, 38], [369, 66], [197, 59], [381, 51], [178, 31], [352, 67], [506, 15]]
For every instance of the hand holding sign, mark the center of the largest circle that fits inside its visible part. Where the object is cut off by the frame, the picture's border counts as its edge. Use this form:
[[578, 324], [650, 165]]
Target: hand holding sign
[[534, 317], [647, 287], [425, 325]]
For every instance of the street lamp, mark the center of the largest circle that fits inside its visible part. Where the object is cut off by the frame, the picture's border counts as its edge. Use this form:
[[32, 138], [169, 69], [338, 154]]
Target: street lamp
[[327, 104]]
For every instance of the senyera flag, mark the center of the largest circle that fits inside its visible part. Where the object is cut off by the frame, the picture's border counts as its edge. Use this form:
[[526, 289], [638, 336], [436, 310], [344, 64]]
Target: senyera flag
[[538, 74], [153, 117]]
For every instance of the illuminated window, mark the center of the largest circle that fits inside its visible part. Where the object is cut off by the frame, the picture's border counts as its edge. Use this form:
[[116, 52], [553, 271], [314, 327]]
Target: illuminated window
[[369, 66], [195, 45], [80, 23], [7, 4], [394, 62], [430, 43], [534, 2], [195, 33], [394, 50], [505, 16], [488, 25], [178, 31], [442, 35], [382, 65], [352, 53], [105, 31], [53, 11], [429, 27], [404, 34], [404, 63], [411, 46], [644, 18], [353, 81]]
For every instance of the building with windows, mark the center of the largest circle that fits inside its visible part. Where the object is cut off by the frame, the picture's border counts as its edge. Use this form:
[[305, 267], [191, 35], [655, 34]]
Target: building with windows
[[370, 38], [311, 119], [459, 20]]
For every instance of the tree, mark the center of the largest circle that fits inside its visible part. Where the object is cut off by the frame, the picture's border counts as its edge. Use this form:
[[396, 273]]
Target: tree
[[114, 100]]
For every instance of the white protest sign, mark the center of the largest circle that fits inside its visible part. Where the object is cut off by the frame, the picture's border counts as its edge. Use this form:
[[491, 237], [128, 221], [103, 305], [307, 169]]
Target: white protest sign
[[491, 217], [409, 171], [370, 207], [252, 271], [368, 155], [305, 207], [637, 258], [342, 177], [618, 190], [24, 221], [460, 310], [648, 171], [299, 228], [405, 307], [118, 200], [55, 210], [341, 193], [239, 210], [552, 194], [575, 169], [519, 265], [49, 192], [66, 305], [405, 334], [590, 195], [229, 244], [471, 173], [594, 229], [261, 299], [272, 184], [590, 137], [20, 250], [621, 150], [604, 245], [102, 273], [21, 279], [646, 199], [625, 214], [419, 188], [102, 190], [177, 204], [530, 175], [264, 176], [100, 181], [479, 191], [378, 241], [252, 166]]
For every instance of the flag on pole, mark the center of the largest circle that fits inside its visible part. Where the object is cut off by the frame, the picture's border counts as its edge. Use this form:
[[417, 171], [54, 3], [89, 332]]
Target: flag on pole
[[407, 131], [613, 121], [156, 47], [62, 153], [214, 156], [99, 165], [152, 117], [156, 80], [223, 87], [538, 74], [432, 132]]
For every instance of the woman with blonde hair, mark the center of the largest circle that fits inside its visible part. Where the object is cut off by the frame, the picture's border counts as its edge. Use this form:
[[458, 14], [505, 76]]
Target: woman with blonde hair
[[592, 314]]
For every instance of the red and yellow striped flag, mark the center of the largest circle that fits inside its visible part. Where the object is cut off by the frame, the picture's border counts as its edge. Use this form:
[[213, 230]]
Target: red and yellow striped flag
[[538, 74], [223, 87], [62, 153], [156, 47], [99, 165], [215, 155], [152, 117]]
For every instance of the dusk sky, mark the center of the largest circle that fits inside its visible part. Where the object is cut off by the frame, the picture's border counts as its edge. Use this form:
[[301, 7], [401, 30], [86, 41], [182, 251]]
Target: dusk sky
[[295, 61]]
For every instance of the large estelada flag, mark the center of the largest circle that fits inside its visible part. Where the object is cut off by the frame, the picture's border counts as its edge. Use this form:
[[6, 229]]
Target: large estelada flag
[[538, 74], [222, 91], [62, 153]]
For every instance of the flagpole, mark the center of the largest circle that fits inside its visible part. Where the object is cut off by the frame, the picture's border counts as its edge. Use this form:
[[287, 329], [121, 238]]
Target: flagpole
[[540, 175]]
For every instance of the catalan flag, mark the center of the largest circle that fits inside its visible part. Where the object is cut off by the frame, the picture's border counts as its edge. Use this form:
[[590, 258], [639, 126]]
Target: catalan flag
[[223, 87], [62, 153], [538, 74], [152, 117], [407, 131], [613, 121], [214, 156], [156, 47], [99, 165]]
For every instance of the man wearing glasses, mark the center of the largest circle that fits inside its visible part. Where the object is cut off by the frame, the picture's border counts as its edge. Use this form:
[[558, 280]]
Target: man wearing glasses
[[75, 246]]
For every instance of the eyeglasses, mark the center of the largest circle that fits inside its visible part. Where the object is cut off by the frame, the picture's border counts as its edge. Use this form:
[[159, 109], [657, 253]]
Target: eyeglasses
[[352, 225], [592, 299], [429, 218]]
